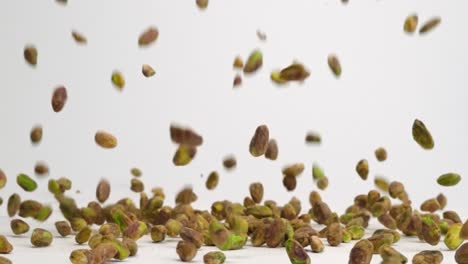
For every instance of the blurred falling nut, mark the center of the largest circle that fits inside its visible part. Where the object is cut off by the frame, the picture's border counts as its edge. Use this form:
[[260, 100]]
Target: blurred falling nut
[[149, 36], [334, 65], [147, 70], [30, 55], [411, 23], [59, 98], [421, 135], [36, 134], [362, 168], [79, 38], [429, 25], [103, 191], [272, 150], [259, 142], [105, 139], [254, 62], [118, 80], [202, 4]]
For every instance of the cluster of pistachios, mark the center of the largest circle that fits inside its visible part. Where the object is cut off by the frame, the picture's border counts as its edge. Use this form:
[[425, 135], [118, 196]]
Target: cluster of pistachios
[[230, 225]]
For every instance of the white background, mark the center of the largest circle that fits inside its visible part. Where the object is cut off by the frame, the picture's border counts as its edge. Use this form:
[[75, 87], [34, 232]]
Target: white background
[[389, 79]]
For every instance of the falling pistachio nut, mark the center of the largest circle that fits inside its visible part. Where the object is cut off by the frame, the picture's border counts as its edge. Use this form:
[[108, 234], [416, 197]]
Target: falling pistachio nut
[[421, 135], [147, 70], [259, 142], [254, 62], [105, 139], [411, 23], [30, 55], [429, 25], [149, 36], [449, 179]]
